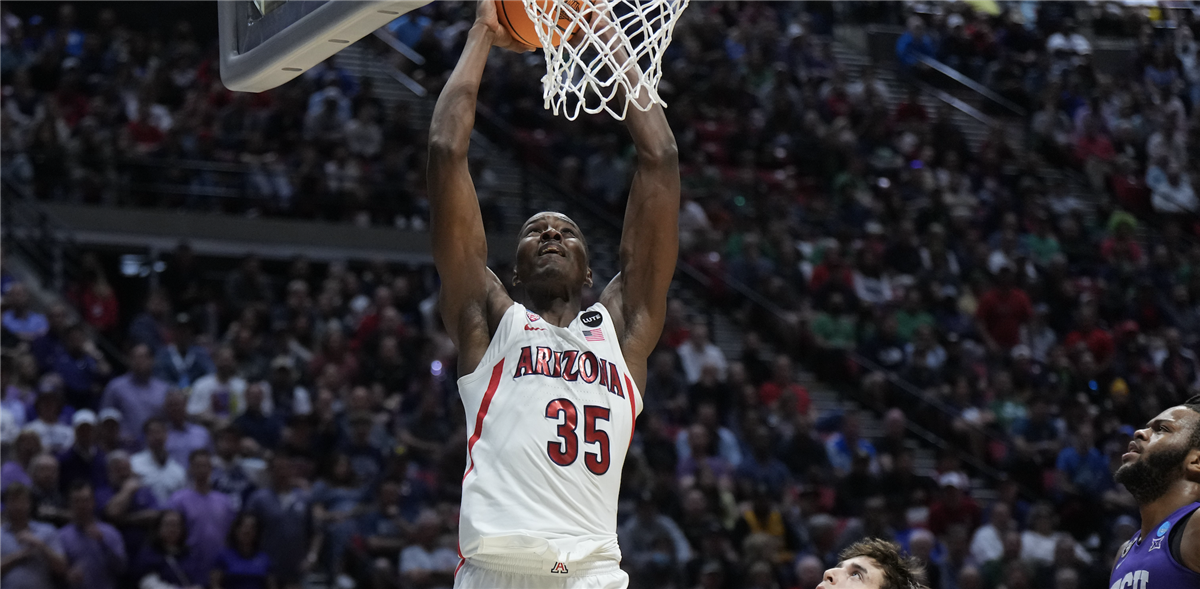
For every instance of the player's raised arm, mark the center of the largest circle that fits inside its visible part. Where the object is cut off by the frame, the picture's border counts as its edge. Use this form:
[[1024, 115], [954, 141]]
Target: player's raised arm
[[637, 296], [470, 295]]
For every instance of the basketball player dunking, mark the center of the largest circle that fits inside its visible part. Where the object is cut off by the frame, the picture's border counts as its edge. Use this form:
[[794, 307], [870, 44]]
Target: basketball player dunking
[[1162, 472], [551, 390]]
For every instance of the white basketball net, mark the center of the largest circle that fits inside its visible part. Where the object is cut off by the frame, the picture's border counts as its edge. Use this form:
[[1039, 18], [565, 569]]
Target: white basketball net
[[589, 73]]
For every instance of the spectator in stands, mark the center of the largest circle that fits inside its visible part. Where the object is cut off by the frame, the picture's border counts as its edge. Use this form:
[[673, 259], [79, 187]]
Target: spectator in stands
[[915, 44], [20, 388], [287, 395], [1001, 312], [154, 465], [217, 398], [248, 286], [125, 502], [987, 544], [423, 563], [182, 362], [848, 443], [94, 550], [1171, 190], [759, 466], [82, 368], [32, 554], [48, 344], [208, 513], [242, 563], [165, 557], [183, 436], [16, 470], [955, 508], [49, 410], [19, 318], [83, 461], [137, 394], [699, 351], [782, 380], [108, 434], [48, 503], [151, 327], [285, 512]]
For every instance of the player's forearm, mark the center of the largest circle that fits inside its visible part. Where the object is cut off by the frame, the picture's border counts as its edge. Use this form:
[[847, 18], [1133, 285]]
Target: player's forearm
[[652, 137], [454, 115]]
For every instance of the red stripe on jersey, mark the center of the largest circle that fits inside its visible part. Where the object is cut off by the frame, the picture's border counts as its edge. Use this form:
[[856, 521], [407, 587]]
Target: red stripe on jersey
[[632, 408], [483, 409], [461, 562]]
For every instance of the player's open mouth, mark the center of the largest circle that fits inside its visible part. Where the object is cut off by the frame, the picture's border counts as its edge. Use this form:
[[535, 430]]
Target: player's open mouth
[[551, 248]]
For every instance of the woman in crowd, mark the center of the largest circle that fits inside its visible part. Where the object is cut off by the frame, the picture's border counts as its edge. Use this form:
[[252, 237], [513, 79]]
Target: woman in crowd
[[243, 565], [164, 563]]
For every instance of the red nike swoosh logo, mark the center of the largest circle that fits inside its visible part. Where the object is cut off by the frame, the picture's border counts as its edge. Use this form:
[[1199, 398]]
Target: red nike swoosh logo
[[529, 328]]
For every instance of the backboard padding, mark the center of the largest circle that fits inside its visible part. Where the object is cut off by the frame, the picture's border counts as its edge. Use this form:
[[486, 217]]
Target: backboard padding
[[294, 36]]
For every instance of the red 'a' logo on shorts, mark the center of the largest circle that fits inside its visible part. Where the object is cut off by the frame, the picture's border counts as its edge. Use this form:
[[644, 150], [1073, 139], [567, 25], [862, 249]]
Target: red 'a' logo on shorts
[[559, 568]]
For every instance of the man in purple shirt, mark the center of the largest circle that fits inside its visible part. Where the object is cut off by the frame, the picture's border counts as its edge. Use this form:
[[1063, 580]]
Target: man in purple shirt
[[94, 550], [83, 461], [126, 502], [137, 394], [208, 513], [183, 436], [30, 549]]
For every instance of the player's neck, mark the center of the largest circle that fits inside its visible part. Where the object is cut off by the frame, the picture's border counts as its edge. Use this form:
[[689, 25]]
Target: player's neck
[[1182, 493], [553, 308]]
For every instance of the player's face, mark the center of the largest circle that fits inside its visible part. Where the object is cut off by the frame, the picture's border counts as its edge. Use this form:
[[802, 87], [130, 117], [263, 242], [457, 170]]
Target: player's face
[[1156, 457], [1169, 431], [551, 247], [859, 572]]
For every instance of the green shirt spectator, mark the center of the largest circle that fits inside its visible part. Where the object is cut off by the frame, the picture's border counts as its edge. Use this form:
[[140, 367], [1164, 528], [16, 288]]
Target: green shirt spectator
[[835, 328], [912, 315]]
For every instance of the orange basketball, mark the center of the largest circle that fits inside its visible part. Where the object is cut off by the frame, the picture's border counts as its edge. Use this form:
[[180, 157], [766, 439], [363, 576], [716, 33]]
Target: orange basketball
[[515, 20]]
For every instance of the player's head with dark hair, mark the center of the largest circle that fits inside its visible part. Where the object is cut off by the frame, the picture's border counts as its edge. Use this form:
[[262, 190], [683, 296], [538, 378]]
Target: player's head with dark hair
[[874, 564], [552, 253], [1164, 453]]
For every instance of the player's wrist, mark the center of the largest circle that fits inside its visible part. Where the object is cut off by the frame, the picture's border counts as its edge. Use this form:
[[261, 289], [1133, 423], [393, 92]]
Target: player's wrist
[[483, 31]]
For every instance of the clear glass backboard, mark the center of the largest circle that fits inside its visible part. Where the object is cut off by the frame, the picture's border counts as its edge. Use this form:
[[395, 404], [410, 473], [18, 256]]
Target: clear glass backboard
[[265, 43]]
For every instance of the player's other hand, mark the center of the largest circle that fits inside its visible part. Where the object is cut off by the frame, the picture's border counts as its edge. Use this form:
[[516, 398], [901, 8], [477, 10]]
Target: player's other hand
[[485, 14]]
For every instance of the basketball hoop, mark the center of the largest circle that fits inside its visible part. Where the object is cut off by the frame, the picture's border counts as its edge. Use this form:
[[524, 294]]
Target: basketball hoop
[[614, 54]]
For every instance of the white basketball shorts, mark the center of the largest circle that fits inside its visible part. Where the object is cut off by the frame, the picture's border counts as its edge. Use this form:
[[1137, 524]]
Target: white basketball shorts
[[492, 572]]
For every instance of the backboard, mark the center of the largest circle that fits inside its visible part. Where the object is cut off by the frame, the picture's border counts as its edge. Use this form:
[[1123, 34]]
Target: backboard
[[265, 43]]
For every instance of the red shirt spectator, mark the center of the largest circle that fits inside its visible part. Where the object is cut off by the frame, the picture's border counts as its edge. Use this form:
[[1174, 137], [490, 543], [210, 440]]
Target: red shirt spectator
[[99, 306], [955, 507], [781, 381], [1099, 342], [832, 268], [1002, 311]]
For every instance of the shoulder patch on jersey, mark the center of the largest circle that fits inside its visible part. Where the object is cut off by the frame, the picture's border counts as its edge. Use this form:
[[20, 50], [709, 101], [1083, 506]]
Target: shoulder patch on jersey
[[1163, 529], [532, 316], [592, 319]]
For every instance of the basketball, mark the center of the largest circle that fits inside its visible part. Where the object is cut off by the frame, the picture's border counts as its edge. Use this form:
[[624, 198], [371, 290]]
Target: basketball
[[516, 21]]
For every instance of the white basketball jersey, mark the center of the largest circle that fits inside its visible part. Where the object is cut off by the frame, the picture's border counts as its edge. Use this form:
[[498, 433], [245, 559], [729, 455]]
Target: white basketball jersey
[[550, 416]]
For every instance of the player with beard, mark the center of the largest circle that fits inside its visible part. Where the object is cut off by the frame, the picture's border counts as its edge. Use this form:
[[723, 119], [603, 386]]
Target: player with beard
[[1162, 472]]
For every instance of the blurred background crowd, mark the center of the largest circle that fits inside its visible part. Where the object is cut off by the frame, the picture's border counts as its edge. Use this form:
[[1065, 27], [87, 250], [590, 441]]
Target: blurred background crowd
[[1028, 299]]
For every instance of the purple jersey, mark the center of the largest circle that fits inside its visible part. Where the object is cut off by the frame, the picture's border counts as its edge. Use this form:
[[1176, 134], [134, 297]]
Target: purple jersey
[[1148, 563]]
